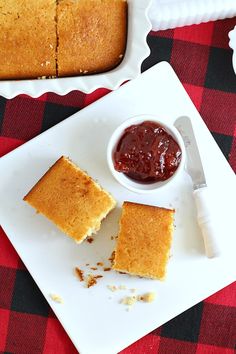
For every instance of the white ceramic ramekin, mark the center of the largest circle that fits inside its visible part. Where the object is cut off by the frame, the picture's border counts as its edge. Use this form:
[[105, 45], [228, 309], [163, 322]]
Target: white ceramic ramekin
[[137, 50], [232, 44], [128, 183]]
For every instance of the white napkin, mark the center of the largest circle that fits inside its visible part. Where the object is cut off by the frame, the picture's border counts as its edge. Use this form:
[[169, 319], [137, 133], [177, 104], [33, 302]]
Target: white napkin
[[166, 14]]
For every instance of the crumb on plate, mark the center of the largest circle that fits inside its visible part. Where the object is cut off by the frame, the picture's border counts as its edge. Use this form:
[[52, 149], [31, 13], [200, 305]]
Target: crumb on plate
[[112, 257], [112, 287], [90, 281], [129, 300], [56, 298], [79, 273], [122, 287], [90, 239], [106, 269], [148, 297], [98, 276]]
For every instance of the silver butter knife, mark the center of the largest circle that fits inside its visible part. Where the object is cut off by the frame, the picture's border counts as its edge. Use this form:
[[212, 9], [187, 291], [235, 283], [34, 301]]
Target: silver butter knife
[[201, 196]]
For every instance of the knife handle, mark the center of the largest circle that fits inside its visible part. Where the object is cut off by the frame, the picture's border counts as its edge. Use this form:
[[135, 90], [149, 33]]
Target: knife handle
[[210, 231]]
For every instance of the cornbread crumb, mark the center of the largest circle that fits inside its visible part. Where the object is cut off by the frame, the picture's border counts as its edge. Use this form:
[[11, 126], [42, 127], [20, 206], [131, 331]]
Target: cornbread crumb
[[122, 287], [106, 269], [112, 257], [101, 264], [79, 273], [148, 297], [98, 276], [90, 239], [112, 288], [116, 288], [129, 300], [90, 281], [56, 298]]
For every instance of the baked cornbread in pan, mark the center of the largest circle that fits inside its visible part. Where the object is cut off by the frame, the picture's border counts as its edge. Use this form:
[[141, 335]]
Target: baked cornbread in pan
[[28, 38], [92, 35], [51, 38], [144, 240], [70, 198]]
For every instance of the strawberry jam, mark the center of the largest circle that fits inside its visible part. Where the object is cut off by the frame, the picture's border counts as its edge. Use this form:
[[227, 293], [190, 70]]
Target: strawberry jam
[[147, 153]]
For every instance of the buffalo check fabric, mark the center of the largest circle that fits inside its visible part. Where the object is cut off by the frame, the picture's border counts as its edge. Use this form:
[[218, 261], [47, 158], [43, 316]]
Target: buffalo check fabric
[[201, 57]]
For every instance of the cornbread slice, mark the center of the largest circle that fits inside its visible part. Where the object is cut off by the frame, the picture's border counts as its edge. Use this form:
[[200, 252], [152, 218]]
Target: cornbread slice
[[27, 38], [144, 240], [71, 199], [92, 35]]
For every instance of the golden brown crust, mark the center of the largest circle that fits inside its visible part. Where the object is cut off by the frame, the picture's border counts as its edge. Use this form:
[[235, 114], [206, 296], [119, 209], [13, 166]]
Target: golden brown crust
[[27, 39], [92, 35], [144, 240], [71, 199]]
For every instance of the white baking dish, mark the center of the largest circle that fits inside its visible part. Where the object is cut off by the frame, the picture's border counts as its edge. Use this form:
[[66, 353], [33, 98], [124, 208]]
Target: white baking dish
[[136, 51], [232, 44]]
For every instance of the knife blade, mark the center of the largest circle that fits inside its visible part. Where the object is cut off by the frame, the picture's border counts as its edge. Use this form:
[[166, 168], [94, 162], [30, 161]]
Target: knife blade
[[194, 168], [194, 163]]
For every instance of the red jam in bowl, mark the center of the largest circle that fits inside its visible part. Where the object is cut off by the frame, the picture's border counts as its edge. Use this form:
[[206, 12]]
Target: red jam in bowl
[[147, 153]]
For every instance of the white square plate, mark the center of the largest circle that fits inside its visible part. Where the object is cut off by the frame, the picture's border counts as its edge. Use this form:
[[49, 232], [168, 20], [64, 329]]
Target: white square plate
[[93, 318]]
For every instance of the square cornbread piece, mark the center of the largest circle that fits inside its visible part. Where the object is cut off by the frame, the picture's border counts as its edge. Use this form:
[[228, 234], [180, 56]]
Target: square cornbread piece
[[71, 200], [27, 38], [92, 35], [144, 240]]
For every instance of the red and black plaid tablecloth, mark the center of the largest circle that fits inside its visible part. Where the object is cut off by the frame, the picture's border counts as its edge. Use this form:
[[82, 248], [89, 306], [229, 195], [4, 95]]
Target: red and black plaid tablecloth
[[202, 59]]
